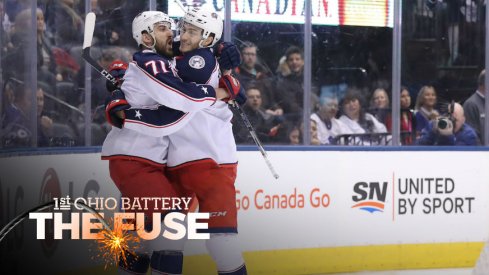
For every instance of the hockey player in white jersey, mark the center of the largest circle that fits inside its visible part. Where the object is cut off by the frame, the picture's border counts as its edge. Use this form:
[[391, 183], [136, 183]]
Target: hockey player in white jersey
[[202, 158], [137, 161]]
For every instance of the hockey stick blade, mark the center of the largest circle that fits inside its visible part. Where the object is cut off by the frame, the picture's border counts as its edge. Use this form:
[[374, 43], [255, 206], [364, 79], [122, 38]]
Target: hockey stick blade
[[87, 44], [89, 29]]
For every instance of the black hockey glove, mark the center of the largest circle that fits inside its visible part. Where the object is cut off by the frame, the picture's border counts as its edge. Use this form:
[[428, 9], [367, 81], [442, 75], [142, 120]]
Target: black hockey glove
[[228, 55]]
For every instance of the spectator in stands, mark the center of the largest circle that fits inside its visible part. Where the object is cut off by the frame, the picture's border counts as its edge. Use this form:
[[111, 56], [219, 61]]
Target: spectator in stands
[[425, 107], [95, 8], [14, 7], [474, 107], [113, 27], [15, 57], [449, 130], [355, 117], [265, 124], [283, 69], [65, 23], [294, 135], [45, 58], [289, 91], [379, 107], [313, 132], [7, 97], [45, 122], [17, 127], [249, 70], [251, 73], [17, 132], [407, 129], [5, 29], [328, 126]]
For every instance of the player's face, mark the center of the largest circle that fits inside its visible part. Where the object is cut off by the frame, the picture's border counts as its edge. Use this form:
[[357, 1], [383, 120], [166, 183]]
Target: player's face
[[190, 37], [164, 39]]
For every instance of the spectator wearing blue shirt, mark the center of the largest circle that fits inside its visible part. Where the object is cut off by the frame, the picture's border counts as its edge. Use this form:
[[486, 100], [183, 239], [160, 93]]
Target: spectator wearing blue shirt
[[449, 130]]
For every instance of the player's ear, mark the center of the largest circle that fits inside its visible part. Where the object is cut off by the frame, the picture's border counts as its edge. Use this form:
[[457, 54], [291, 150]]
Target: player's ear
[[147, 39], [208, 41]]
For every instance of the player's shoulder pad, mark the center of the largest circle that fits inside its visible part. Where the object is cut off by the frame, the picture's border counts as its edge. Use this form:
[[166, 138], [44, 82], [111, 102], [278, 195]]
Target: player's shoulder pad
[[196, 66]]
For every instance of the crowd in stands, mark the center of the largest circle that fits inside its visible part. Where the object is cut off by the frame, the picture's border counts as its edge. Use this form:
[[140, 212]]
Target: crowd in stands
[[275, 103], [275, 97], [60, 74]]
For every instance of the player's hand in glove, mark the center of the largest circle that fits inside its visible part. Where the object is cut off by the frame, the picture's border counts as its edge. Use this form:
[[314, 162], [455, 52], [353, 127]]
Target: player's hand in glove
[[231, 85], [228, 55], [115, 105], [117, 69], [241, 97]]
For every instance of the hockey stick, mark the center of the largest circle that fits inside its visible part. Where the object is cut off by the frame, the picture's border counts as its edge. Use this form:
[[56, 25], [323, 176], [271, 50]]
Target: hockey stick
[[257, 141], [87, 44], [246, 121]]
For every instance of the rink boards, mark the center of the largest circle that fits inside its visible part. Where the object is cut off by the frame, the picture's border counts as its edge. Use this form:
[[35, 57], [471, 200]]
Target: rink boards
[[330, 211]]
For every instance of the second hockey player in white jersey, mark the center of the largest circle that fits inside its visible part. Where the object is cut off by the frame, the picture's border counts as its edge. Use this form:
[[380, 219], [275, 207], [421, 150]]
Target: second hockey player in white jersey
[[136, 160], [202, 158]]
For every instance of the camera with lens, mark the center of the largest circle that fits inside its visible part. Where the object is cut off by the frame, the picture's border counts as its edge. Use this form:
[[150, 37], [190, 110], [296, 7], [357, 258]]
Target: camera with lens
[[444, 124]]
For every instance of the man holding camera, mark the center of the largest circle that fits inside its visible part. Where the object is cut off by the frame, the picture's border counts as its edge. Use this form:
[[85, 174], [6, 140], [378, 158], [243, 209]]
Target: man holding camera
[[449, 130]]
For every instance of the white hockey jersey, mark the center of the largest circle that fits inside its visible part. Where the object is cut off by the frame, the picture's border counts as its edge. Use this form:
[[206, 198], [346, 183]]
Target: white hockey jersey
[[208, 135], [149, 82]]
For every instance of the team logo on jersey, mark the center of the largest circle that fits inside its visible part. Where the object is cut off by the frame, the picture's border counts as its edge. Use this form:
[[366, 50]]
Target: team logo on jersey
[[197, 62]]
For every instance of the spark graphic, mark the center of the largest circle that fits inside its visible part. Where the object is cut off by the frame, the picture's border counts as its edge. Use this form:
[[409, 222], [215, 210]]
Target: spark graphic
[[117, 245]]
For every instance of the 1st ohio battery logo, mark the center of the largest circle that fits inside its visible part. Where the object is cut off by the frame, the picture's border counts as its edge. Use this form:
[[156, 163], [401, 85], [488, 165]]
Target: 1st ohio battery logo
[[413, 196]]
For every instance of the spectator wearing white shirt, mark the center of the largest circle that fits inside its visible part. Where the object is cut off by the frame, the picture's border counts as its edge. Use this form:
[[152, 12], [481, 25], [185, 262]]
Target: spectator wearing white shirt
[[328, 126]]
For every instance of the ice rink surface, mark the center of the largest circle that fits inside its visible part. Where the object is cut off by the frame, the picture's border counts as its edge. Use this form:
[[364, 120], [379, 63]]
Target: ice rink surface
[[453, 271]]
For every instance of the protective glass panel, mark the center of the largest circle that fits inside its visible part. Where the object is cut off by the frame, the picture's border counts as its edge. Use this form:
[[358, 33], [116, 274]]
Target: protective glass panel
[[22, 121], [352, 69], [272, 74], [443, 55]]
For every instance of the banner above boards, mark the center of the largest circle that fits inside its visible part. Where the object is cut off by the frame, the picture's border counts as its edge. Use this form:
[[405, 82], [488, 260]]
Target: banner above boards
[[375, 13]]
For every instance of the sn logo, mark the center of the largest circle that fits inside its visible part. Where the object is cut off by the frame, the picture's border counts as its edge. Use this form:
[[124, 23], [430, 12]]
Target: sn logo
[[370, 196]]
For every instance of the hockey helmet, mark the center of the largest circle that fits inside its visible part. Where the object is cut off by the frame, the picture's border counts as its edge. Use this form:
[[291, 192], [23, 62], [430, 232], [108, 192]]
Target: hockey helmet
[[209, 22], [145, 21]]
